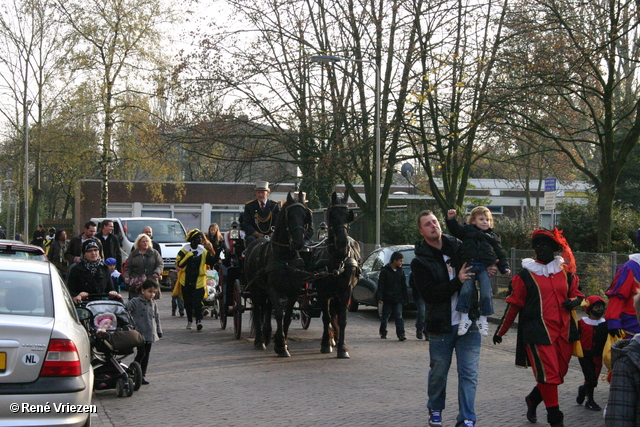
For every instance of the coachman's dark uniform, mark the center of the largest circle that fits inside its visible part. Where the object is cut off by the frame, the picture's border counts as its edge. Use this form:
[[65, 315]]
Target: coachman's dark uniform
[[255, 219]]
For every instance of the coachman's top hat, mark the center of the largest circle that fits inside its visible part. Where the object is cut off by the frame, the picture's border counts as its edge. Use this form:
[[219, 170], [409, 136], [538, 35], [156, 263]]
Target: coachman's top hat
[[262, 186]]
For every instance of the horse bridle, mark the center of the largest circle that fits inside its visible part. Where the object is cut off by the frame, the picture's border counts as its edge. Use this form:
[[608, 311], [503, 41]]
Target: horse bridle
[[286, 219], [335, 228]]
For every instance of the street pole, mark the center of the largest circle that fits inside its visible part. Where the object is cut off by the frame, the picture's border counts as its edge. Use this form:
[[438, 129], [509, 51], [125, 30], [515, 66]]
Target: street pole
[[327, 59], [25, 237]]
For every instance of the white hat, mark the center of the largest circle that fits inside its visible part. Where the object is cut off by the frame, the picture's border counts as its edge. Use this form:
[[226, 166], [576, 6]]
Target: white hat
[[262, 186]]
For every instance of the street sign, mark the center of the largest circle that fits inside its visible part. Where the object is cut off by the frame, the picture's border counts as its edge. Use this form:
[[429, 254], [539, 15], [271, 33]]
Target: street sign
[[549, 184], [549, 200]]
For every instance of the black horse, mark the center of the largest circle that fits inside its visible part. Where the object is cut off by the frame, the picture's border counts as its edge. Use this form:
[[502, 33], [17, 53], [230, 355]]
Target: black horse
[[341, 258], [274, 274]]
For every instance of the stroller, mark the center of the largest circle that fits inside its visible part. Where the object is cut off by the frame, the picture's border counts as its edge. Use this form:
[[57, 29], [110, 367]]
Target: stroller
[[112, 339]]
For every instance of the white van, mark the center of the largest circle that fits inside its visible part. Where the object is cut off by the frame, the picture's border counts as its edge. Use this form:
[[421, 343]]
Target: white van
[[168, 232]]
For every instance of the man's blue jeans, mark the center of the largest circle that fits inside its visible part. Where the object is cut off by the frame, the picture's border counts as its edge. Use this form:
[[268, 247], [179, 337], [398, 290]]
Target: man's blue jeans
[[387, 309], [481, 275], [467, 348]]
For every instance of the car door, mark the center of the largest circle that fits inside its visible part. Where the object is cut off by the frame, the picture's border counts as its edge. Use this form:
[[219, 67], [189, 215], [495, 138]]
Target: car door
[[365, 290]]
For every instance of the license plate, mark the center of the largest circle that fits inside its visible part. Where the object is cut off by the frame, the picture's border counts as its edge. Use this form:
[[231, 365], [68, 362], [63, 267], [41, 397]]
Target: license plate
[[3, 361]]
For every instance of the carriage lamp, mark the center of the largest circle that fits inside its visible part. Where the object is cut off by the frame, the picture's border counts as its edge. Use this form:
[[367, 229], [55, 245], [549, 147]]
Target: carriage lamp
[[234, 233], [323, 231]]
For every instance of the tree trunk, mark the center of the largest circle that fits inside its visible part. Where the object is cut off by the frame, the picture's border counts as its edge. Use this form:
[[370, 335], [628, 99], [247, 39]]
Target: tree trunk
[[606, 194]]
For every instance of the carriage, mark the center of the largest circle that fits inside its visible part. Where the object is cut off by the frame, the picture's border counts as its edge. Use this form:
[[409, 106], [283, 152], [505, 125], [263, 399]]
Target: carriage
[[233, 296], [270, 278]]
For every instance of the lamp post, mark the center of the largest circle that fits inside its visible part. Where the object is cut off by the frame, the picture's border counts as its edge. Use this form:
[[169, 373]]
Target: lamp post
[[327, 59], [25, 237], [8, 183]]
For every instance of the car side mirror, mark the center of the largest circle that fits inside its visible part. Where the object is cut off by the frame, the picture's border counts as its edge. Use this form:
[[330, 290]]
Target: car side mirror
[[84, 313]]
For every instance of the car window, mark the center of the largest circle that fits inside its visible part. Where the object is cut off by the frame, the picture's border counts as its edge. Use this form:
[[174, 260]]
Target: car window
[[378, 262], [367, 265], [71, 307], [163, 231], [25, 294], [409, 255], [15, 253]]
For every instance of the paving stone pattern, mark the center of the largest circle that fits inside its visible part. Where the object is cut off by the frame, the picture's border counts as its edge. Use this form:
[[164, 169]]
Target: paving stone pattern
[[208, 378]]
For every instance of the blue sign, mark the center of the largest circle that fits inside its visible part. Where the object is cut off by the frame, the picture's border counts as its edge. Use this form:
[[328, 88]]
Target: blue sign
[[550, 184]]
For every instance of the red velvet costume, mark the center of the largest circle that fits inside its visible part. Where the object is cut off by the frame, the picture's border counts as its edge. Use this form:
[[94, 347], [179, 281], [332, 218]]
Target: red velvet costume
[[620, 312], [544, 324]]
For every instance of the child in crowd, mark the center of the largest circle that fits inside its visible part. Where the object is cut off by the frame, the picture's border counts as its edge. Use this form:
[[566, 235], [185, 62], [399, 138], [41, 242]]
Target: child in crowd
[[146, 320], [392, 294], [593, 335], [623, 408], [116, 277], [481, 249], [105, 322]]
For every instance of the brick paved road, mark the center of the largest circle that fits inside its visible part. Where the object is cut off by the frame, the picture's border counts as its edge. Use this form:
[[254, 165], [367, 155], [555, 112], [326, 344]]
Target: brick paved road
[[210, 379]]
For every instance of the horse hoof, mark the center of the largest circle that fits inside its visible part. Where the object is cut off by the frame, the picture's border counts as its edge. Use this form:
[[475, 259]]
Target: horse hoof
[[282, 351], [326, 349], [260, 346], [343, 355]]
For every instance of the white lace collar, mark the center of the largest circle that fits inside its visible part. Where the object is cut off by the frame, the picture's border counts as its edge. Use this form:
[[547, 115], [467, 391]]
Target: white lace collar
[[540, 269], [635, 257], [188, 248]]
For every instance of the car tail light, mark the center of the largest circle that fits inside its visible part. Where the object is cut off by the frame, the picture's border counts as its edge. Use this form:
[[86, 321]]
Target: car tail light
[[62, 360]]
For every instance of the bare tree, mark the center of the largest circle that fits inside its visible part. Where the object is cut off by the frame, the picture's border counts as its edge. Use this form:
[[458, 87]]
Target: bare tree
[[450, 123], [33, 54], [118, 45], [576, 74]]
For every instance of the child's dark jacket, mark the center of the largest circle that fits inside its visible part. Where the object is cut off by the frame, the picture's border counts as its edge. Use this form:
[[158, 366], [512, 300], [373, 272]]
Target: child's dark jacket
[[479, 245]]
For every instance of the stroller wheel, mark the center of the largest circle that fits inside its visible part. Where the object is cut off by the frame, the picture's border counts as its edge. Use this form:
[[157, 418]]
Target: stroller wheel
[[120, 387], [135, 373], [129, 387]]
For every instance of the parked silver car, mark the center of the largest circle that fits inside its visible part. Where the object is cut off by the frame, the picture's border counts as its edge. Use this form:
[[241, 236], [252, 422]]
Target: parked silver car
[[365, 290], [45, 355], [17, 249]]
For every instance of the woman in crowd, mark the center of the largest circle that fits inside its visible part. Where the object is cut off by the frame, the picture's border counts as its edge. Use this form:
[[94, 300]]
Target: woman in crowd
[[56, 252], [215, 238], [143, 263], [90, 275]]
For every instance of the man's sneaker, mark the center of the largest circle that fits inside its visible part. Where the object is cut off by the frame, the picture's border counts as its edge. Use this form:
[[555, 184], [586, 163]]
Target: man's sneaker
[[592, 405], [466, 423], [435, 418], [199, 326], [419, 335], [383, 336], [463, 327], [189, 324], [402, 338], [484, 328]]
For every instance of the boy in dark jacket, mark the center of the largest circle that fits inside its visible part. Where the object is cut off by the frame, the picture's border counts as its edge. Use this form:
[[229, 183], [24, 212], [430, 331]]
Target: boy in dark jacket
[[392, 294], [480, 249]]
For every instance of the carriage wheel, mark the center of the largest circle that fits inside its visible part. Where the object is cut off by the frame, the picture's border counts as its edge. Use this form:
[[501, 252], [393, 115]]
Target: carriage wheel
[[305, 313], [237, 310], [135, 373]]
